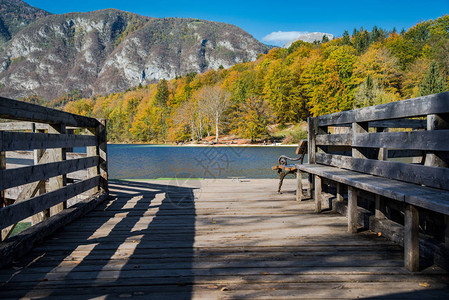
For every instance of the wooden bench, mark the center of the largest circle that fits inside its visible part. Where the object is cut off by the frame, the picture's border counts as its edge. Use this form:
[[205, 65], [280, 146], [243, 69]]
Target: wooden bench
[[399, 153], [284, 168]]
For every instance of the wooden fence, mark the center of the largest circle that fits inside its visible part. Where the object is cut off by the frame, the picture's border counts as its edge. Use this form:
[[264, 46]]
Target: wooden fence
[[40, 175]]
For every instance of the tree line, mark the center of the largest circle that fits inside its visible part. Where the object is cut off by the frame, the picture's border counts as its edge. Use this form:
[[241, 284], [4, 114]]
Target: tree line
[[284, 86]]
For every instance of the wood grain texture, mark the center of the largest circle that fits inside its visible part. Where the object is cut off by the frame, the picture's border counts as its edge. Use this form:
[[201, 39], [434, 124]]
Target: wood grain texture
[[10, 141], [18, 110], [435, 140], [14, 213], [144, 244], [334, 139], [424, 175], [421, 106], [20, 176]]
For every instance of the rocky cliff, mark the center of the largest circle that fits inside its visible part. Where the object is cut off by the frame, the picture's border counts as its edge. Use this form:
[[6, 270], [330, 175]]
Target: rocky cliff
[[109, 51]]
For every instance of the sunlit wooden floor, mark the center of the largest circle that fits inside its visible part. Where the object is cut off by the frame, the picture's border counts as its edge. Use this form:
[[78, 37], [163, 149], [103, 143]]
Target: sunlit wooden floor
[[209, 239]]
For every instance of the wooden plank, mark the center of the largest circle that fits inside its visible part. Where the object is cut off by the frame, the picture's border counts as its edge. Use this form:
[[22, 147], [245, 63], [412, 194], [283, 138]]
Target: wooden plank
[[396, 123], [28, 239], [11, 141], [418, 174], [16, 212], [30, 155], [334, 139], [411, 239], [18, 110], [318, 192], [22, 126], [352, 210], [435, 140], [417, 107], [24, 175]]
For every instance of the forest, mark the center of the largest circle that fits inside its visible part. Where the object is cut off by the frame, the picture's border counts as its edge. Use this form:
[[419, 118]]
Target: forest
[[282, 87]]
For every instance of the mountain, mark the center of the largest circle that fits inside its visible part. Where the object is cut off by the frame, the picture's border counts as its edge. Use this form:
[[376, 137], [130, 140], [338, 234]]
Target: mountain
[[310, 38], [14, 16], [108, 51]]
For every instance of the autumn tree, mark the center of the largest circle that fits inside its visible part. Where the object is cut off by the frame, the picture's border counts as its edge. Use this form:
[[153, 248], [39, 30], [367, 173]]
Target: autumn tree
[[216, 101]]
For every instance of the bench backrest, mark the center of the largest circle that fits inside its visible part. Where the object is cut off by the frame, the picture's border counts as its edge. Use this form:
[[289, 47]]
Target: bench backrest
[[406, 140]]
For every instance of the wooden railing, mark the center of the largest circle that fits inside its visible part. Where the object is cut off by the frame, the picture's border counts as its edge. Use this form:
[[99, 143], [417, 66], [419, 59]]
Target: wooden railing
[[394, 161], [40, 175]]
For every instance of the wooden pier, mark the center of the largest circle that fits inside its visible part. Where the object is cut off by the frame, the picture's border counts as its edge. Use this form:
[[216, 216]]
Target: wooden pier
[[214, 239], [94, 238]]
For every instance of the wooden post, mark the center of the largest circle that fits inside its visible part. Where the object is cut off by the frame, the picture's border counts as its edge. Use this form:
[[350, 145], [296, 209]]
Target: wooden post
[[38, 153], [299, 195], [4, 232], [93, 171], [311, 135], [340, 197], [100, 150], [446, 233], [383, 152], [380, 208], [318, 194], [57, 182], [358, 128], [352, 209], [103, 151], [411, 238]]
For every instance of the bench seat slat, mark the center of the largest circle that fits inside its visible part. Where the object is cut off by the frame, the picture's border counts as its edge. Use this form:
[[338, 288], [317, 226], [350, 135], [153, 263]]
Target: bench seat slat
[[424, 197], [418, 174]]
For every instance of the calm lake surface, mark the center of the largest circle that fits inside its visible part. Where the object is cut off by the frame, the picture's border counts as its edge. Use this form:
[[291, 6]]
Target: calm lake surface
[[154, 161]]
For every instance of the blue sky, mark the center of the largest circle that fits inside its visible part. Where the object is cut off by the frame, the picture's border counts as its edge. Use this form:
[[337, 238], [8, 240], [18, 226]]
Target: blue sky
[[261, 17]]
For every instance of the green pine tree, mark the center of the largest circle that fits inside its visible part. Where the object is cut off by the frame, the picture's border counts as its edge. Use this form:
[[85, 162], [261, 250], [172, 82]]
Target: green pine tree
[[162, 93], [432, 82]]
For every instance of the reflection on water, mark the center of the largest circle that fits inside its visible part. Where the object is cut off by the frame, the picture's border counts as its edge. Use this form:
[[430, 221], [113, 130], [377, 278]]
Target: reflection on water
[[150, 161]]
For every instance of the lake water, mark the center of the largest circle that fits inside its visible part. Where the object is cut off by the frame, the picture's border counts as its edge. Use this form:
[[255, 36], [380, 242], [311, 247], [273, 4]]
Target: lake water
[[154, 161]]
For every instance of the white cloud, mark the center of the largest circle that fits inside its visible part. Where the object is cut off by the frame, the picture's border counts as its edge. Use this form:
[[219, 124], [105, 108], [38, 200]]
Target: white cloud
[[280, 38]]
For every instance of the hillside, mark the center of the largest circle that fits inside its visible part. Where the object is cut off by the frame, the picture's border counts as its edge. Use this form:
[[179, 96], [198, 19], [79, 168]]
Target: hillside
[[14, 16], [280, 88], [108, 51]]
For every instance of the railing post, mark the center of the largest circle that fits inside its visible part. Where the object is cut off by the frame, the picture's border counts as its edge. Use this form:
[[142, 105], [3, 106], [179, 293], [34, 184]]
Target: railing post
[[101, 151], [311, 136], [38, 153], [57, 154], [4, 232]]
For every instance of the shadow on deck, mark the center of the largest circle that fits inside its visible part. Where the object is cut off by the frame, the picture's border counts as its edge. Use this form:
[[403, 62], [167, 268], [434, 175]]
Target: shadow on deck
[[214, 239]]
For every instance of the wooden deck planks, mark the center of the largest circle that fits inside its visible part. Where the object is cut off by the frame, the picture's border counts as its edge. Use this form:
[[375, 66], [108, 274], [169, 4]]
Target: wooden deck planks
[[214, 239]]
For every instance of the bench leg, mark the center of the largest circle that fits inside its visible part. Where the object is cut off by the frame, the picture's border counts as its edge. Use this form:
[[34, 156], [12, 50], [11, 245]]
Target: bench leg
[[299, 195], [411, 239], [310, 182], [446, 232], [317, 194], [352, 209], [281, 180], [380, 208], [339, 192]]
